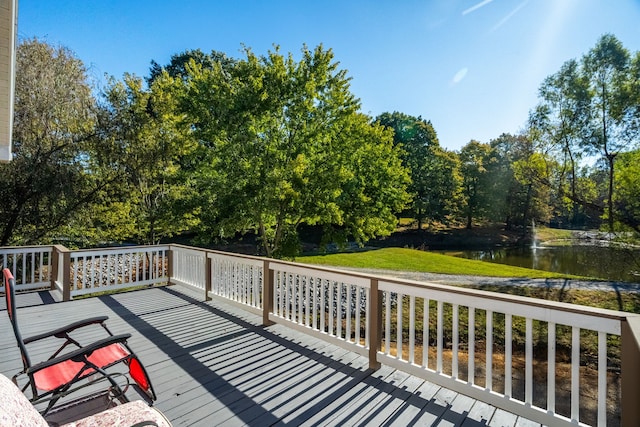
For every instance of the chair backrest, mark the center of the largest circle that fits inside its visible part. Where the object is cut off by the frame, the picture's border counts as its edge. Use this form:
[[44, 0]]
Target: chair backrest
[[9, 294]]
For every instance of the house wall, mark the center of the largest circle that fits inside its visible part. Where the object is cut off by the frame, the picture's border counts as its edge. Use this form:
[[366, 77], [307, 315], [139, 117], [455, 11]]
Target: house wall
[[8, 30]]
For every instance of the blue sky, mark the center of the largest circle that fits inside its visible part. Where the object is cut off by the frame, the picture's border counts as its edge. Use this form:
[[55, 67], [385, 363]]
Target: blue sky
[[471, 67]]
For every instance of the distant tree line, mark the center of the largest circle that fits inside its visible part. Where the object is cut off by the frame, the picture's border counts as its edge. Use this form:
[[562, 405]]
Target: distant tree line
[[221, 147]]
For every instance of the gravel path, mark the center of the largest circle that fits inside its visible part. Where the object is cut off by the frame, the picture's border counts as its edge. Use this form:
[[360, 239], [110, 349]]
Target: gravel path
[[450, 279]]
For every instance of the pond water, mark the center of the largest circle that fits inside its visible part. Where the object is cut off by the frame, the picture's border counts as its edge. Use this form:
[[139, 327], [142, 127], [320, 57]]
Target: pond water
[[613, 264]]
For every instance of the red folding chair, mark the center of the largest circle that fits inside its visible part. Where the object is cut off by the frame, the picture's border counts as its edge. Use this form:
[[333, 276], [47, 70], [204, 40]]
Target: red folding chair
[[63, 372]]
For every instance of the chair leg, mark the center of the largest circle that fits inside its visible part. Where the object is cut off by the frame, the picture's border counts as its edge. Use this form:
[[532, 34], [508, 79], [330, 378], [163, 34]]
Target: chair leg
[[115, 388]]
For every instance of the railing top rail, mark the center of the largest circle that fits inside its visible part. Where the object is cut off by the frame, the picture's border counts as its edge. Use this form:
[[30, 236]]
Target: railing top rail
[[120, 249], [325, 273], [255, 261], [178, 245], [222, 253], [595, 321], [517, 299], [21, 249], [187, 249]]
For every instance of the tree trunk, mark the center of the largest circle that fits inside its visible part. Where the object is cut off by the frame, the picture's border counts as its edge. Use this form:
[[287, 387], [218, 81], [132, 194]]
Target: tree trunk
[[525, 214], [10, 226], [472, 191], [265, 243], [574, 208], [610, 159]]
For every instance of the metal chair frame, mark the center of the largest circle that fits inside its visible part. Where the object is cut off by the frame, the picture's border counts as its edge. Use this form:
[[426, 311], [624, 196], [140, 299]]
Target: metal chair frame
[[84, 362]]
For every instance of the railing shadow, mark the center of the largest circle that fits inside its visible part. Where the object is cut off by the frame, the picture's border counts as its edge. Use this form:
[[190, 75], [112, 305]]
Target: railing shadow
[[31, 298], [307, 401]]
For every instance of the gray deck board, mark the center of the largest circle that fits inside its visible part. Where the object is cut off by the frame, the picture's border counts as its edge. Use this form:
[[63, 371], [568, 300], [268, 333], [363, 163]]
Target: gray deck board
[[396, 398], [412, 408], [214, 364], [337, 411], [480, 413], [503, 419], [457, 411]]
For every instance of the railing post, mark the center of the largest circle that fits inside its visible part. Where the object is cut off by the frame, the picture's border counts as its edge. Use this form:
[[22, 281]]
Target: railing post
[[630, 374], [208, 264], [375, 325], [170, 262], [61, 270], [267, 293], [66, 275], [53, 274]]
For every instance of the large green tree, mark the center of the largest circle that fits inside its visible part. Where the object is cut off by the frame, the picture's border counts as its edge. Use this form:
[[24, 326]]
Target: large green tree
[[559, 123], [606, 67], [52, 176], [435, 181], [589, 109], [512, 192], [286, 145], [474, 159], [628, 189], [177, 66], [146, 142]]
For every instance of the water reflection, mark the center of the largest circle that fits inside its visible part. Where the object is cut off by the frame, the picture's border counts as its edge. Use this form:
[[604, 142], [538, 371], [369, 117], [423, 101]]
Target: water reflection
[[607, 263]]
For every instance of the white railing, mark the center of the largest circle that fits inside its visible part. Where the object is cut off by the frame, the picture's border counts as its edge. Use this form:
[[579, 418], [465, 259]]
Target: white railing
[[535, 358], [30, 265], [490, 346], [498, 343], [99, 270], [328, 304], [237, 278], [188, 266]]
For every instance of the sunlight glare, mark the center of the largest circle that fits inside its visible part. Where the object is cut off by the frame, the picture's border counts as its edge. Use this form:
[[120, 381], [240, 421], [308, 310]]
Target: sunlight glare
[[549, 31], [509, 16]]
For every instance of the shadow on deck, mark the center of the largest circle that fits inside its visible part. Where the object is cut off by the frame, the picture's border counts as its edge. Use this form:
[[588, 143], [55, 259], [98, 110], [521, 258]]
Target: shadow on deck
[[214, 364]]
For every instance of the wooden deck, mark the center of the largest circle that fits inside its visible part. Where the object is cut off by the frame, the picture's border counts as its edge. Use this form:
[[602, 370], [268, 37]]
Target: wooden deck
[[214, 364]]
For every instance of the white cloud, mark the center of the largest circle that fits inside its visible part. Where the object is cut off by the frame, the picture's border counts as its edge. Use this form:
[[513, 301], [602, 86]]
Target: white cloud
[[461, 74], [476, 7]]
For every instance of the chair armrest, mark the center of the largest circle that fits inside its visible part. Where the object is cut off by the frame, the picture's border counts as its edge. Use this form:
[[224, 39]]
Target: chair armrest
[[79, 354], [60, 332]]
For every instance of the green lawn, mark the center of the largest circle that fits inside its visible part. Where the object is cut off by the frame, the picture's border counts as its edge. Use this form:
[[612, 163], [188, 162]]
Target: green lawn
[[415, 260]]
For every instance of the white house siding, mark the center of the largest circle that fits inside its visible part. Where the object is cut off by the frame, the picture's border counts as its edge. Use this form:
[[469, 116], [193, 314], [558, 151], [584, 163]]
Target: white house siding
[[8, 26]]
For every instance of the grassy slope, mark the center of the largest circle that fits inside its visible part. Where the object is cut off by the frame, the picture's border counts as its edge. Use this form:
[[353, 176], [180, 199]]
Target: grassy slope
[[415, 260]]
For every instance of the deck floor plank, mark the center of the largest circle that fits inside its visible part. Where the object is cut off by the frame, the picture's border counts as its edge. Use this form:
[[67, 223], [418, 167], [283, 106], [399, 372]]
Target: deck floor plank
[[414, 406], [279, 400], [457, 411], [436, 409], [265, 386], [480, 413], [215, 364], [502, 418], [397, 397]]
